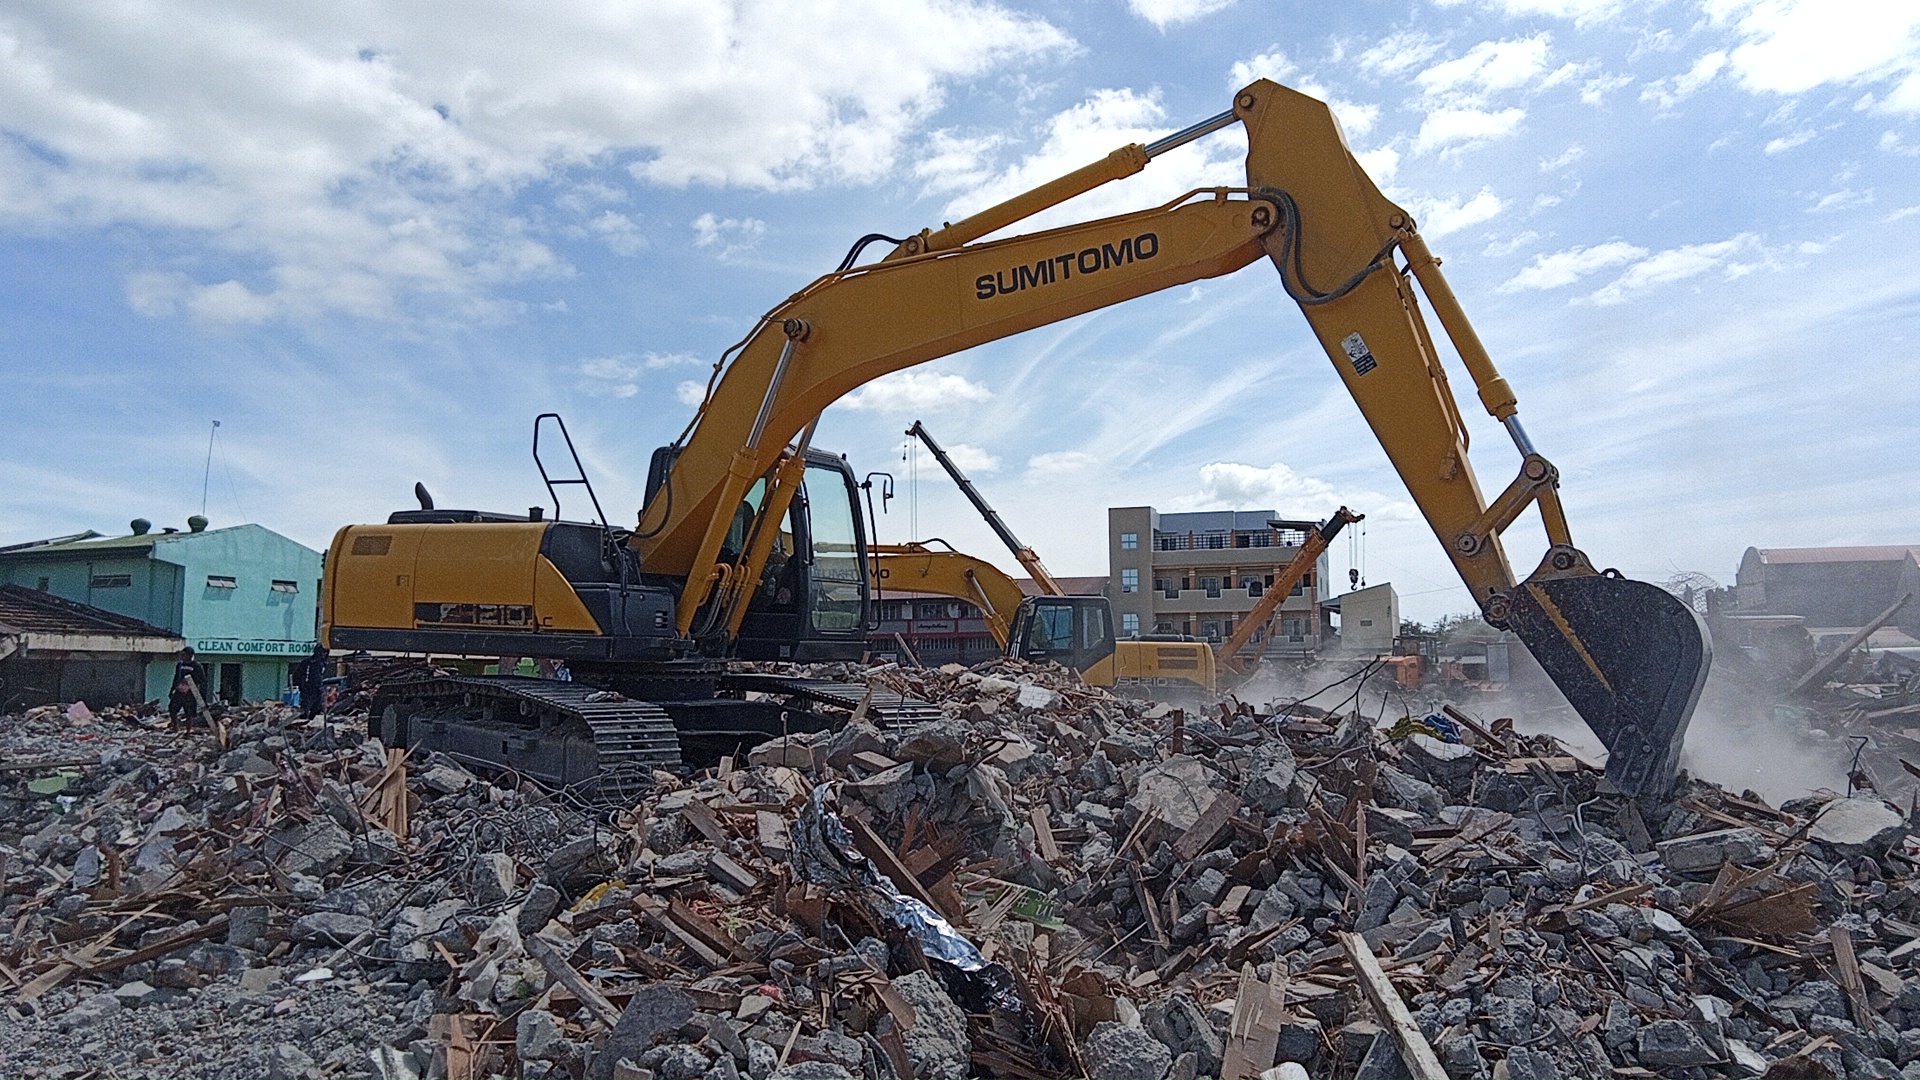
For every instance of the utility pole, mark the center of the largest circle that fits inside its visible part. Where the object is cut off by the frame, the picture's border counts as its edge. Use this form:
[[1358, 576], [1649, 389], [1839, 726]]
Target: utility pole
[[207, 473]]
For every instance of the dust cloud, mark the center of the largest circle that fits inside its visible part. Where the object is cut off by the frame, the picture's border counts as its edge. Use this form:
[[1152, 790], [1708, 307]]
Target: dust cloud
[[1737, 738]]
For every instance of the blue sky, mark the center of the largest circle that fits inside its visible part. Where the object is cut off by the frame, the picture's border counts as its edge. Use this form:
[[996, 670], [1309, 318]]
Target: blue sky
[[374, 242]]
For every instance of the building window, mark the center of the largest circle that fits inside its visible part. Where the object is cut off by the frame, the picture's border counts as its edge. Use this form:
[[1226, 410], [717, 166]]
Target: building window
[[221, 581], [1129, 580], [104, 581], [280, 585], [1212, 585], [1254, 587], [1129, 541], [1129, 623]]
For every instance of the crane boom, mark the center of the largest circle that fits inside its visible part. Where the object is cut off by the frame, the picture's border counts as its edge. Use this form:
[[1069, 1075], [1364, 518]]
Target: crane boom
[[1282, 587], [1027, 557]]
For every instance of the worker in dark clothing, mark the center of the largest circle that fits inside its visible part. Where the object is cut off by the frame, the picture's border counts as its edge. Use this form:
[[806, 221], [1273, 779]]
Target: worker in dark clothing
[[189, 675], [310, 675]]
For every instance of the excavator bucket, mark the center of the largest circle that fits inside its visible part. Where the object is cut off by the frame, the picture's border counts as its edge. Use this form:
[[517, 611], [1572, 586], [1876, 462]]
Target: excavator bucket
[[1629, 657]]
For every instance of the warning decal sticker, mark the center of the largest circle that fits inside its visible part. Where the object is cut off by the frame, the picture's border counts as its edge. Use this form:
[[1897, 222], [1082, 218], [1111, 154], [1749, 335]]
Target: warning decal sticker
[[1358, 352]]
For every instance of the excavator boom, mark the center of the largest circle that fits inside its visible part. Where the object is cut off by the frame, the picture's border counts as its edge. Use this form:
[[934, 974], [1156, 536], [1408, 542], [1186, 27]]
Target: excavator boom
[[1630, 658]]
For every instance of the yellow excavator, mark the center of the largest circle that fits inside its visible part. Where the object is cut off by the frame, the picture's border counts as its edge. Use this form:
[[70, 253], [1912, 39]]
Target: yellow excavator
[[749, 545], [1076, 631]]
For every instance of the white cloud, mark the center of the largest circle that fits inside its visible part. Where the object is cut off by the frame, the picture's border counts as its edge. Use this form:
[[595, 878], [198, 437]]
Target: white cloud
[[1903, 212], [1060, 462], [1502, 248], [1091, 130], [1488, 66], [1787, 142], [915, 391], [972, 459], [955, 163], [1356, 118], [1582, 12], [1165, 13], [619, 375], [621, 234], [1791, 46], [1446, 128], [615, 375], [1844, 199], [1666, 93], [1566, 267], [1399, 53], [367, 157], [1678, 264], [731, 236], [1231, 485], [1595, 90], [1438, 217], [1569, 156], [690, 393], [1381, 164]]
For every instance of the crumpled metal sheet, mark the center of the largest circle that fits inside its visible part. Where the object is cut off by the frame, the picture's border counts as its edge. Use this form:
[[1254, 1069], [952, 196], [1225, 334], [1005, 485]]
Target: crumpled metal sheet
[[824, 854]]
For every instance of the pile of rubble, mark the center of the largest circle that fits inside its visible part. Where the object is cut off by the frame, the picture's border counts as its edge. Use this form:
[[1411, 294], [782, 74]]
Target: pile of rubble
[[1051, 881]]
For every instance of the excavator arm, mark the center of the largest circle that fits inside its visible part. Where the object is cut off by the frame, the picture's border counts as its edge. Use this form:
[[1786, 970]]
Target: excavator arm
[[915, 567], [1630, 658]]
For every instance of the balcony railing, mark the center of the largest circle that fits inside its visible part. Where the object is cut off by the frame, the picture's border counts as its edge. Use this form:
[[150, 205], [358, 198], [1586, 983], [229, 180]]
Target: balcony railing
[[1220, 541]]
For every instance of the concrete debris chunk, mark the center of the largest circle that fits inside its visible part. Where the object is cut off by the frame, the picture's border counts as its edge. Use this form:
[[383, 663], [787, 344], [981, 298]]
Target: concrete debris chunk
[[938, 1044], [1116, 1051], [1859, 826], [1176, 791], [1708, 850]]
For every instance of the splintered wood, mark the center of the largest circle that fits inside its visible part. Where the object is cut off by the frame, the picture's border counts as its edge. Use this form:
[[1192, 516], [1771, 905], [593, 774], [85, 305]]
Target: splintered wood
[[386, 802], [1253, 1035], [1415, 1052]]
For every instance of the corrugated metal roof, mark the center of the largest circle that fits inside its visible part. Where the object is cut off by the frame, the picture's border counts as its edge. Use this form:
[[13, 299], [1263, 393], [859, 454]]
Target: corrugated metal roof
[[30, 610], [126, 544], [1864, 553]]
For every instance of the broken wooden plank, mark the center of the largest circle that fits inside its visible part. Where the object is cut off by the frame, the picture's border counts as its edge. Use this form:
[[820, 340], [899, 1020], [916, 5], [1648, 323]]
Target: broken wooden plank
[[704, 821], [1253, 1035], [1415, 1052], [1847, 967], [1043, 835], [731, 874], [1474, 830], [1198, 840], [771, 829], [544, 951]]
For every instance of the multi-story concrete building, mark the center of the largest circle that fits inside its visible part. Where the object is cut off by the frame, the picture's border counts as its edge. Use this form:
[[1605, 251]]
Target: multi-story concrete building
[[245, 597], [1200, 573], [939, 629]]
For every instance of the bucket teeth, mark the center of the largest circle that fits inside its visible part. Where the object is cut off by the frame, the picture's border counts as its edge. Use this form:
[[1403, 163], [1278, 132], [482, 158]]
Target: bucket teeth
[[1630, 658]]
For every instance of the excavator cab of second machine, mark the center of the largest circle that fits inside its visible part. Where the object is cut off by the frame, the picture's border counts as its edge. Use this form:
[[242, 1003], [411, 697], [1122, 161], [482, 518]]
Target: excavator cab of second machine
[[1073, 631]]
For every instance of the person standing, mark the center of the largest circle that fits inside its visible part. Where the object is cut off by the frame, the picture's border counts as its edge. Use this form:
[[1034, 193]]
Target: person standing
[[189, 687], [310, 675]]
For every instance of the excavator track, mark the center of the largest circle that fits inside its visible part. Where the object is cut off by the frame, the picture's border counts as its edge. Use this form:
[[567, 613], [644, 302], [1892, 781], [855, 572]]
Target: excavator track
[[602, 750], [883, 706]]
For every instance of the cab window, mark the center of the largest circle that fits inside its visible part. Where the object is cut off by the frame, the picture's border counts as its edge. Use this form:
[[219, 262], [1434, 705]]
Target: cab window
[[837, 601]]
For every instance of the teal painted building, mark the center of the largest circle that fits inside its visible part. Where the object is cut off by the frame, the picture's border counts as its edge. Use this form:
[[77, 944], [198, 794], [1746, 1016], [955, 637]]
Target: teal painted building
[[245, 597]]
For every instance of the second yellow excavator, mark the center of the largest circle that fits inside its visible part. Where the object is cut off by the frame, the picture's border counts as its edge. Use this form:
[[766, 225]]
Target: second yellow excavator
[[1076, 631], [750, 545]]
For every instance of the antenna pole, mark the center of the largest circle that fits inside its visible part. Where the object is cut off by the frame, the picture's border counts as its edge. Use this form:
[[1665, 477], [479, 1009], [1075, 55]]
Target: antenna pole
[[207, 472]]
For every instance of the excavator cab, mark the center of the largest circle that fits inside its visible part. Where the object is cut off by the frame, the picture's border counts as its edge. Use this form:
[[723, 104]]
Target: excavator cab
[[1073, 631]]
